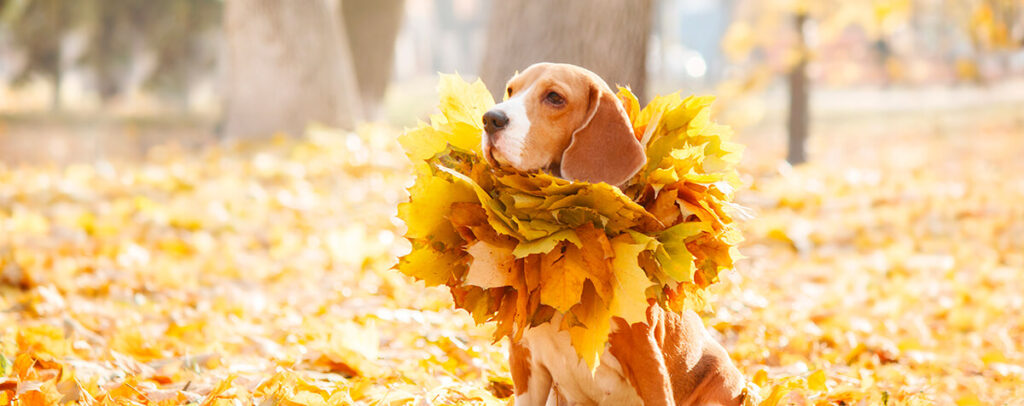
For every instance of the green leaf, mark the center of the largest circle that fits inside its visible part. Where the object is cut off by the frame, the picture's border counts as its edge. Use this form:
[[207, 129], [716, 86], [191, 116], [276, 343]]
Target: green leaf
[[675, 259], [5, 366], [546, 244]]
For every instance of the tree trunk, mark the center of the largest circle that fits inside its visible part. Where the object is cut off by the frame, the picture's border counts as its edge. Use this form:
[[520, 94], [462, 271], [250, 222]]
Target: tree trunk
[[105, 51], [798, 100], [608, 37], [288, 65], [372, 26], [59, 16], [56, 104]]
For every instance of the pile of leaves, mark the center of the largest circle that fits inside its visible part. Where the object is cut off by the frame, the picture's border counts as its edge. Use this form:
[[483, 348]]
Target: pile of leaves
[[241, 274], [519, 248], [888, 272]]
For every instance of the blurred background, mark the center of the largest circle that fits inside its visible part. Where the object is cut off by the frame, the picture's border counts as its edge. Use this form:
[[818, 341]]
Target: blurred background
[[170, 222], [82, 80]]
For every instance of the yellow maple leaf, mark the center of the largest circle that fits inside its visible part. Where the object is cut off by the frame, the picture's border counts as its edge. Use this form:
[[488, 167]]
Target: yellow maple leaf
[[629, 299], [597, 254], [462, 101], [969, 399], [288, 387], [42, 338], [589, 338], [562, 277], [227, 392], [422, 142], [817, 381], [505, 317], [629, 101], [495, 217], [781, 390], [546, 244], [491, 266], [38, 394], [462, 105], [432, 266], [463, 135], [430, 201]]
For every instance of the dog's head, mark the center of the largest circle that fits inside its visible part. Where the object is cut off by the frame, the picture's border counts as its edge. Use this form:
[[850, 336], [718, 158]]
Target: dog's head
[[563, 119]]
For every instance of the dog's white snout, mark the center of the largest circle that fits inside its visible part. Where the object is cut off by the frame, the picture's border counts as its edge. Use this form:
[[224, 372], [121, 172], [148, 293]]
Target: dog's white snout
[[504, 139]]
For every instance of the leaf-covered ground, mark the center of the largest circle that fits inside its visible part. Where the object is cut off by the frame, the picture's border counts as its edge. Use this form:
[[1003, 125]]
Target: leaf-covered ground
[[890, 272]]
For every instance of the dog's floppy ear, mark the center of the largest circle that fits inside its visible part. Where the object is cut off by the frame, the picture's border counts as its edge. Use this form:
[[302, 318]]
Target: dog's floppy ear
[[604, 148]]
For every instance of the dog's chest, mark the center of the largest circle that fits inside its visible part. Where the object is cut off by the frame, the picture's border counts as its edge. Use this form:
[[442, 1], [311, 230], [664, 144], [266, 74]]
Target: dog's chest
[[551, 351]]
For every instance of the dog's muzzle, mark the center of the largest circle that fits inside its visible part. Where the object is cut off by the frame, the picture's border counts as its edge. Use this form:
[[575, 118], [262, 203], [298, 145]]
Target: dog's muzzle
[[494, 121]]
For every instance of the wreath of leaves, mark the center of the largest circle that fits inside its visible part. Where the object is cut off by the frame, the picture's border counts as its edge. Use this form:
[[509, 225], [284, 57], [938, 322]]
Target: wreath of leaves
[[519, 248]]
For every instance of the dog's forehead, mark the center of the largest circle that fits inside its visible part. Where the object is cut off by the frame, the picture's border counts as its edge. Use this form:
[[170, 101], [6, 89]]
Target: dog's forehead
[[570, 75]]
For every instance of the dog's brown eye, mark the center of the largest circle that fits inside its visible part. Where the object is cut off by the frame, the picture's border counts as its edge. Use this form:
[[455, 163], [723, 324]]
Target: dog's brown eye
[[509, 91], [555, 98]]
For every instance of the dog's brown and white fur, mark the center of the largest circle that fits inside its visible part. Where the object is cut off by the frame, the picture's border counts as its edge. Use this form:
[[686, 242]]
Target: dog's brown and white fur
[[565, 119]]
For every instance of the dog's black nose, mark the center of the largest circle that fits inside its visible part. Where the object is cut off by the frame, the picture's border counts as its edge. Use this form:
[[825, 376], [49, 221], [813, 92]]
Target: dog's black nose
[[494, 121]]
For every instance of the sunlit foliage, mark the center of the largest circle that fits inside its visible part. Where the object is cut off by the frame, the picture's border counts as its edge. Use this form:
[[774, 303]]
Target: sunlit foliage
[[263, 272]]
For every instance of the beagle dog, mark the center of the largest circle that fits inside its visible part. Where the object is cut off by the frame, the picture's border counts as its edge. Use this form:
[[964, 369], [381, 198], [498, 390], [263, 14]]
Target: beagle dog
[[565, 120]]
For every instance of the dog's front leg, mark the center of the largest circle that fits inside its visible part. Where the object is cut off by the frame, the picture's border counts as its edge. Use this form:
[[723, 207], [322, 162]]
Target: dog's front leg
[[532, 381], [642, 362], [673, 360]]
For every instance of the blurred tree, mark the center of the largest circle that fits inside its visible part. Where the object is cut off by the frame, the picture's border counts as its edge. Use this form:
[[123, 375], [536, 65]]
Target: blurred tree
[[781, 36], [996, 32], [996, 24], [38, 29], [608, 37], [174, 33], [114, 27], [799, 105], [371, 27], [288, 64], [180, 41]]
